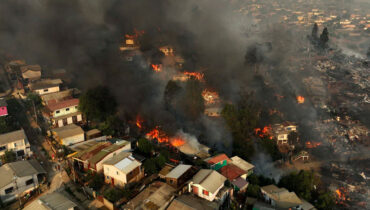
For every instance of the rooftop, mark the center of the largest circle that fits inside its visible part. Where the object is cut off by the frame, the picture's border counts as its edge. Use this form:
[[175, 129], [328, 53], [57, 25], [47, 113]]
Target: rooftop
[[127, 164], [68, 131], [46, 83], [209, 179], [190, 202], [12, 136], [104, 152], [178, 171], [90, 152], [217, 159], [241, 163], [155, 196], [19, 169], [63, 104], [282, 197], [3, 102], [51, 98], [54, 201], [35, 67], [231, 172]]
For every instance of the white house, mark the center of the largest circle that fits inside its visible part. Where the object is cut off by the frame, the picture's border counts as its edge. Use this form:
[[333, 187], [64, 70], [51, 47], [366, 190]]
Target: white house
[[69, 134], [122, 169], [16, 141], [206, 184], [281, 198], [63, 113], [45, 86], [18, 178]]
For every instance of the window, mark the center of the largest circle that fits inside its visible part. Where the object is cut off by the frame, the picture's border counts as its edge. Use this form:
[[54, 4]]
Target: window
[[2, 148], [171, 181], [9, 190], [46, 90], [117, 172], [15, 144], [67, 109], [108, 177], [57, 111], [205, 192], [30, 181], [20, 153], [76, 107]]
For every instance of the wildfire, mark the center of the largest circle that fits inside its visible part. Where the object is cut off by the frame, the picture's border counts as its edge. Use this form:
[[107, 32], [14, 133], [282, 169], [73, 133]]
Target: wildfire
[[196, 75], [139, 122], [312, 144], [136, 34], [341, 194], [300, 99], [156, 67], [176, 142], [156, 133], [264, 132], [210, 97]]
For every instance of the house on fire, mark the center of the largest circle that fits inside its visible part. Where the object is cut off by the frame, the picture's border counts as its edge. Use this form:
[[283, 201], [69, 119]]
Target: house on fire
[[207, 184], [3, 107], [281, 198], [19, 178], [31, 72], [63, 113], [17, 142], [121, 169], [282, 131], [68, 135], [45, 86]]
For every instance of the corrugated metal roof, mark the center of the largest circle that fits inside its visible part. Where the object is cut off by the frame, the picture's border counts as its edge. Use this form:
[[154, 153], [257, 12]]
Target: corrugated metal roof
[[241, 163], [127, 165], [209, 179], [68, 131], [12, 136], [178, 171]]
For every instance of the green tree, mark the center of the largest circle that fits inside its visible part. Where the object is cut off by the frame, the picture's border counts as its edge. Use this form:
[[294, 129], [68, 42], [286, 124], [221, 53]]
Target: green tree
[[114, 194], [8, 157], [150, 166], [171, 90], [253, 190], [97, 182], [192, 101], [325, 200], [302, 183], [324, 38], [145, 146], [97, 104], [160, 161], [34, 99], [271, 148], [293, 137], [315, 30], [112, 126]]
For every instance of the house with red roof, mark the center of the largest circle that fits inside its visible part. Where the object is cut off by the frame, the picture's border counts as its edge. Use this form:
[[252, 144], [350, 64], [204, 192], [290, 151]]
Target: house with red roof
[[235, 175], [218, 161], [63, 113], [3, 107]]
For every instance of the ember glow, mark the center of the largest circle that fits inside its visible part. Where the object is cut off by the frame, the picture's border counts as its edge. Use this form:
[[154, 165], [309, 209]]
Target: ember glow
[[312, 144], [341, 195], [196, 75], [264, 132], [156, 67], [139, 122], [300, 99], [210, 97]]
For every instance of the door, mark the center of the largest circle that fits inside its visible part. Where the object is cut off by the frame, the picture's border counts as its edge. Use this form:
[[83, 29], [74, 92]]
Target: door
[[195, 190]]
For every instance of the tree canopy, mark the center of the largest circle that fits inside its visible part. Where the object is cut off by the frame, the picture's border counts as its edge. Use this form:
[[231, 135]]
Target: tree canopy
[[315, 30], [192, 101], [8, 157], [97, 103], [324, 37]]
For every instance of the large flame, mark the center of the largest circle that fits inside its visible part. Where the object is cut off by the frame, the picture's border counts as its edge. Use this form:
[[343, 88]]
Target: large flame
[[156, 67], [210, 97], [264, 132], [341, 195], [300, 99], [196, 75], [176, 142], [156, 133]]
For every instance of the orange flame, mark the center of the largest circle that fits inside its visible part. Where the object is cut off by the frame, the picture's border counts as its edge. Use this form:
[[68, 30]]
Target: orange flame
[[176, 142], [136, 34], [157, 134], [264, 132], [210, 97], [300, 99], [156, 67], [341, 193], [139, 122], [312, 144], [197, 75]]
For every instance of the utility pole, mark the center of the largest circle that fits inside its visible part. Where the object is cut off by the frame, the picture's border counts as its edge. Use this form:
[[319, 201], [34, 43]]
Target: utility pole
[[34, 109]]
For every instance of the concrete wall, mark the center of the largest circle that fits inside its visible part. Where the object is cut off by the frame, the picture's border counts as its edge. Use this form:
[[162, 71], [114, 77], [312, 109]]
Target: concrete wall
[[47, 90], [19, 188], [65, 111], [210, 197], [59, 123], [17, 146]]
